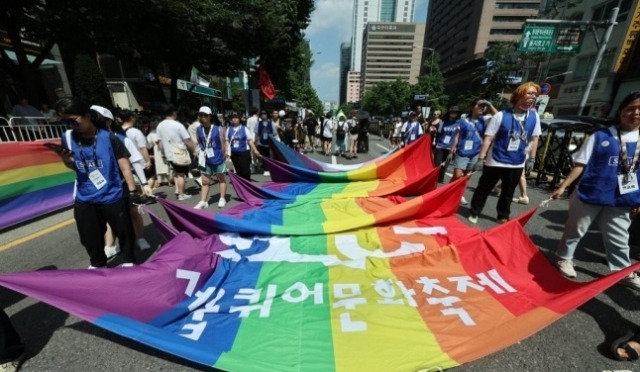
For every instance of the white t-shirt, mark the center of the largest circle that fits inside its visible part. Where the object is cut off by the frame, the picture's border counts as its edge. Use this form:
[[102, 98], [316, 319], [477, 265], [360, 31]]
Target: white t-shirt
[[327, 128], [408, 126], [136, 136], [252, 123], [494, 125], [170, 131], [583, 155], [397, 128]]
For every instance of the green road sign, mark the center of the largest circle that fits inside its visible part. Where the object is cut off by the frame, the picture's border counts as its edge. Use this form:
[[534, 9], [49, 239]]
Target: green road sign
[[551, 38], [206, 91]]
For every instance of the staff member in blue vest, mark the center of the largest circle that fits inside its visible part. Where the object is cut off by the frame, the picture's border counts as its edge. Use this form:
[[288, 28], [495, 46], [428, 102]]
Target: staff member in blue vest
[[100, 161], [468, 139], [411, 130], [263, 130], [240, 140], [444, 140], [608, 192], [211, 158], [505, 142]]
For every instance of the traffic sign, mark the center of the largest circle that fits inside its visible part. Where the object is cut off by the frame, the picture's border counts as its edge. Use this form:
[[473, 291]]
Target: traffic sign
[[420, 97], [551, 39], [206, 91], [545, 88]]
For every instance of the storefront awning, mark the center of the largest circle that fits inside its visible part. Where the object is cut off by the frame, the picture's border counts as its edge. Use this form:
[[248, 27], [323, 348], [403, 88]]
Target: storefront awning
[[46, 63]]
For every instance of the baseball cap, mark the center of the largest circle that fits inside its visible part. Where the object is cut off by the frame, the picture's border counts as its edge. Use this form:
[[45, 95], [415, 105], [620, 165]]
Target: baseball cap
[[205, 110], [102, 111]]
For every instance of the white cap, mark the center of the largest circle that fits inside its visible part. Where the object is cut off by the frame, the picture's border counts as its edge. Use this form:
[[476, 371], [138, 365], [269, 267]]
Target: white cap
[[205, 110], [102, 111], [281, 113]]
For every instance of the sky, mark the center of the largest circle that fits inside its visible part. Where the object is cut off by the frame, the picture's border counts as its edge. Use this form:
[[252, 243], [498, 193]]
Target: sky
[[330, 26]]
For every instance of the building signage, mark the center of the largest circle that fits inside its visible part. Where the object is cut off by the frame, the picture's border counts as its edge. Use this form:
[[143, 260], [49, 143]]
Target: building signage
[[629, 41], [551, 38], [205, 91], [391, 27]]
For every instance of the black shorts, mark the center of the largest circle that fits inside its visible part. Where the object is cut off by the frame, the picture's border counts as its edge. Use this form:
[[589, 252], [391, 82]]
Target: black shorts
[[180, 169]]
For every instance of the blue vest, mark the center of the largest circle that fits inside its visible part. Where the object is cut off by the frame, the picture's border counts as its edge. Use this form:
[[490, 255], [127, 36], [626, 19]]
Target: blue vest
[[214, 143], [509, 127], [445, 139], [238, 139], [481, 126], [99, 157], [415, 132], [265, 127], [599, 182], [468, 132]]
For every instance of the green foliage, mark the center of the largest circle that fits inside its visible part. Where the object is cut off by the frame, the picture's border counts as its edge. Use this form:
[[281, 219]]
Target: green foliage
[[387, 98], [90, 86], [502, 61], [431, 83], [305, 96]]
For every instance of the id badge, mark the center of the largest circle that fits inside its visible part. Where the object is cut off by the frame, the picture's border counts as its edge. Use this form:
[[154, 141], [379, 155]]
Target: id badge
[[514, 144], [236, 144], [629, 186], [446, 139], [265, 136], [413, 137], [468, 145], [209, 152], [97, 179]]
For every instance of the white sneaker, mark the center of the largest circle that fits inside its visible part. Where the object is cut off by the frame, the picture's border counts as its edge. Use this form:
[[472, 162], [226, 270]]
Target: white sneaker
[[566, 268], [632, 281], [266, 174], [111, 250], [473, 219], [184, 197], [521, 200], [91, 267], [222, 202], [464, 201], [143, 244], [202, 205], [128, 264]]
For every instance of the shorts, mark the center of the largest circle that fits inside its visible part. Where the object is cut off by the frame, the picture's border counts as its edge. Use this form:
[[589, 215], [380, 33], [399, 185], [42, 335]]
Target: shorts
[[327, 139], [180, 169], [465, 163], [215, 169]]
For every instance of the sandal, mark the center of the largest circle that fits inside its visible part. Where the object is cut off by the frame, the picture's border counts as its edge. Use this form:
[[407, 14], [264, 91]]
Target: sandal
[[623, 343]]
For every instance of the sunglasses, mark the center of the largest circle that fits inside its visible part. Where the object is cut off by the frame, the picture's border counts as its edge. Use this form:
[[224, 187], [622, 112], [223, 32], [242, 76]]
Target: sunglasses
[[71, 121]]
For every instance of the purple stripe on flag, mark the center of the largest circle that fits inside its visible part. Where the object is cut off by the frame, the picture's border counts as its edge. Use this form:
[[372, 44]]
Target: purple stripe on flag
[[35, 204]]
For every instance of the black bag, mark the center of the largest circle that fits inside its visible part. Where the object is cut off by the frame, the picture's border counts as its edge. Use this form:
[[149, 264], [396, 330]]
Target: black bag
[[340, 133]]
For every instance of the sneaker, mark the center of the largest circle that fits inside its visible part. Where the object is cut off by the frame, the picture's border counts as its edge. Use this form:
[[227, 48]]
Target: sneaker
[[632, 281], [502, 220], [266, 174], [143, 244], [464, 201], [521, 200], [110, 251], [473, 219], [91, 267], [202, 205], [13, 365], [566, 268], [184, 197], [222, 202], [128, 264]]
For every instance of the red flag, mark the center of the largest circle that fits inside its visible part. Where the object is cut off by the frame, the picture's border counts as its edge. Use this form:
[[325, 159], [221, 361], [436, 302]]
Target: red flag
[[265, 83]]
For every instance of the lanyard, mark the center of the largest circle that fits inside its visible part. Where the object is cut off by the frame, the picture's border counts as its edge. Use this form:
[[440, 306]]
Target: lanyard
[[95, 152], [628, 169], [523, 133], [208, 139]]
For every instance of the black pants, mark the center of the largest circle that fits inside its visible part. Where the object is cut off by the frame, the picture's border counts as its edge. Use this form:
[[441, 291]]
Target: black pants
[[91, 221], [488, 180], [440, 156], [242, 164], [10, 345]]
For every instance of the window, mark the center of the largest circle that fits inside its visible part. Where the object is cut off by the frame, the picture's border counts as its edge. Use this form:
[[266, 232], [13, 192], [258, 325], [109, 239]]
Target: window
[[602, 12], [514, 5]]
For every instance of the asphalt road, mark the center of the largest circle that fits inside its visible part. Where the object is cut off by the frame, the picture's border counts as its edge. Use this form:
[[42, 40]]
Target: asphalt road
[[57, 341]]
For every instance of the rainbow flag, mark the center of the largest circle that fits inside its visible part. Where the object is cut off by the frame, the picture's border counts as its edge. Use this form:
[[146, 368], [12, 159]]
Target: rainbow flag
[[315, 216], [415, 294], [252, 193], [407, 163], [33, 182], [286, 154]]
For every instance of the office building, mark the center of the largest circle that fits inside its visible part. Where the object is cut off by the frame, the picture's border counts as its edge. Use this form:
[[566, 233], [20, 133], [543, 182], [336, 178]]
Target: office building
[[353, 87], [390, 51], [345, 65]]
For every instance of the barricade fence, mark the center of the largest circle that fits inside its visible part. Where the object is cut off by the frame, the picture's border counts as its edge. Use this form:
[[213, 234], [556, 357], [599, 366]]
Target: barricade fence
[[30, 128]]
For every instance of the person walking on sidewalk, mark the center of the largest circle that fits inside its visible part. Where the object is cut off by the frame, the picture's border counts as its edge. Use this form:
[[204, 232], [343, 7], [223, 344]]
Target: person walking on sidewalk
[[608, 192], [211, 158]]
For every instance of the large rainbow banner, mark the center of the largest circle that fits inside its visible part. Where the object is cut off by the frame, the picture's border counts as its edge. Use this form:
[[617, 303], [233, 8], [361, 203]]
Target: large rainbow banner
[[33, 182]]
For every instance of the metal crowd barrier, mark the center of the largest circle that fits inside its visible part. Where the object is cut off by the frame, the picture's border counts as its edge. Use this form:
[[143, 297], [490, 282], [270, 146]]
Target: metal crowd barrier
[[30, 128], [559, 140]]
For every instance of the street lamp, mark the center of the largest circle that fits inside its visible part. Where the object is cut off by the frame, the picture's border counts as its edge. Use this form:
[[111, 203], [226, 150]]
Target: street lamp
[[433, 54]]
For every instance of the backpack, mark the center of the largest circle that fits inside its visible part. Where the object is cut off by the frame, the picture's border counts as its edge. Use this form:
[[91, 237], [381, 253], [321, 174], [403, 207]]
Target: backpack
[[340, 133]]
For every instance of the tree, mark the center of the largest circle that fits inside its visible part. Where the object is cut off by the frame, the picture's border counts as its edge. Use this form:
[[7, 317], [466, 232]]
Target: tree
[[431, 83], [387, 98], [501, 64], [89, 82]]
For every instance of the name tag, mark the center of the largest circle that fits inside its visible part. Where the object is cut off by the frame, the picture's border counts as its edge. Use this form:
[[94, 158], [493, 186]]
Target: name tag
[[628, 186], [468, 145], [97, 179], [446, 139], [413, 137], [209, 152], [265, 136], [236, 144], [514, 144]]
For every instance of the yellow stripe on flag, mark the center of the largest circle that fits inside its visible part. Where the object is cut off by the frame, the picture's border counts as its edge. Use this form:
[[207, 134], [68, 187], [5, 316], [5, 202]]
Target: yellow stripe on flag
[[29, 173]]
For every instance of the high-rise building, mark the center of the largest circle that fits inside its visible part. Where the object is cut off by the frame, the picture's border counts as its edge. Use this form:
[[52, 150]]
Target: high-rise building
[[460, 31], [365, 11], [353, 87], [391, 50], [345, 65]]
